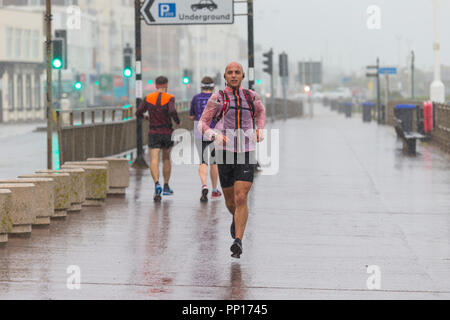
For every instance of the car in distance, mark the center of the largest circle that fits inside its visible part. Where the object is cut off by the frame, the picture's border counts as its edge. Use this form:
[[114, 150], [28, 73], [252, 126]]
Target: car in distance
[[204, 4]]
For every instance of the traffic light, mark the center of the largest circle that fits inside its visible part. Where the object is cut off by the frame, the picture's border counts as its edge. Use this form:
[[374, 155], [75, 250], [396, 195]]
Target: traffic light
[[284, 67], [57, 61], [62, 36], [268, 62], [78, 84], [127, 62], [187, 76]]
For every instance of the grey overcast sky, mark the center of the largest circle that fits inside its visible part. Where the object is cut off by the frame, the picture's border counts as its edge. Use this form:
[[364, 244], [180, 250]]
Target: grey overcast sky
[[337, 31]]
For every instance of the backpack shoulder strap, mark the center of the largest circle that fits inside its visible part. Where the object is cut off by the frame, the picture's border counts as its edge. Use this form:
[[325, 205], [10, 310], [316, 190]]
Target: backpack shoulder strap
[[250, 102], [225, 105]]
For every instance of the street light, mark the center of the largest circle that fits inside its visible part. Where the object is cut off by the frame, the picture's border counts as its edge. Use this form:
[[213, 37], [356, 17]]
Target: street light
[[437, 88]]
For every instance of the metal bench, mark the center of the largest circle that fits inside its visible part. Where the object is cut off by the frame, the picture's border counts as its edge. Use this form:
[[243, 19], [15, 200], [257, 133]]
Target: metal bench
[[409, 138]]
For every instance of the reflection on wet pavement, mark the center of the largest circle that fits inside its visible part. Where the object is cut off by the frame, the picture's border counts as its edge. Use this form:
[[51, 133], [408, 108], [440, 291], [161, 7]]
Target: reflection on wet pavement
[[345, 198]]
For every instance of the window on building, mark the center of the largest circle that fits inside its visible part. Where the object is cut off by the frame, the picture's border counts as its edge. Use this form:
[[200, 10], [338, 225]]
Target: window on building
[[29, 105], [11, 92], [26, 43], [35, 45], [9, 42], [37, 93], [18, 53], [19, 93]]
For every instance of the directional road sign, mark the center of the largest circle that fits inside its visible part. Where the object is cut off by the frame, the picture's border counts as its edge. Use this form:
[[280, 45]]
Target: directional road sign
[[168, 12], [388, 70], [106, 83]]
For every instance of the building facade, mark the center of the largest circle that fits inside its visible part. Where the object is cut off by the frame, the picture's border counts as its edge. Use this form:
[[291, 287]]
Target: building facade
[[21, 66], [97, 33]]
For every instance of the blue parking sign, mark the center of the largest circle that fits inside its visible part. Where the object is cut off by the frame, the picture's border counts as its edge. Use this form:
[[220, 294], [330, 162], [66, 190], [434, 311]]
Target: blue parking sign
[[167, 10]]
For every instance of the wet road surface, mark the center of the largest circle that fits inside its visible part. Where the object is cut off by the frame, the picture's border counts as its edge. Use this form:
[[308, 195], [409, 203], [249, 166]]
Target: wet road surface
[[21, 148], [345, 198]]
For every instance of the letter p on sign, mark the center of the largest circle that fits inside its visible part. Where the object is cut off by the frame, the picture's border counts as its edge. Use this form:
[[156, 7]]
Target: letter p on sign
[[167, 10]]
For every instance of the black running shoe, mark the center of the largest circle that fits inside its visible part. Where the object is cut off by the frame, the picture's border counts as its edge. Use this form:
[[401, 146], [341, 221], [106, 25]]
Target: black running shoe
[[236, 248], [233, 229], [204, 197]]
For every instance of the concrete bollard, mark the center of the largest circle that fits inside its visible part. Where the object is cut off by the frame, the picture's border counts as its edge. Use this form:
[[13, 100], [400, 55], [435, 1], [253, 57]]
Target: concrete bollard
[[119, 174], [96, 184], [93, 164], [6, 222], [23, 212], [44, 198], [79, 190], [77, 187], [62, 192]]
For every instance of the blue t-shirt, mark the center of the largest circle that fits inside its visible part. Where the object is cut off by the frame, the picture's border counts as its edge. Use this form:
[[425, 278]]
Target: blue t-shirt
[[198, 105]]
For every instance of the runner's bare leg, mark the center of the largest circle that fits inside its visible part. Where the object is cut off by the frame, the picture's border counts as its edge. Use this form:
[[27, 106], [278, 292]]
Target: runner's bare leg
[[228, 194], [214, 172], [203, 173], [167, 165], [241, 190], [154, 164]]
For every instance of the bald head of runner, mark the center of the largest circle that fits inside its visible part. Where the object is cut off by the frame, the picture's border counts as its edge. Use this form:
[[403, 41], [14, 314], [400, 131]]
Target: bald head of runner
[[234, 75]]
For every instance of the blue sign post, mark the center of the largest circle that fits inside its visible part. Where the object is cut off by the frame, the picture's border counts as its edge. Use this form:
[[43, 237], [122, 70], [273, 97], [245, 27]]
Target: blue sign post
[[387, 71]]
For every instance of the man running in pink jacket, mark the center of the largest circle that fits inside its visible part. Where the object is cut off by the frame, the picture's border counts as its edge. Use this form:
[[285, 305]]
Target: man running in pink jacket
[[240, 117]]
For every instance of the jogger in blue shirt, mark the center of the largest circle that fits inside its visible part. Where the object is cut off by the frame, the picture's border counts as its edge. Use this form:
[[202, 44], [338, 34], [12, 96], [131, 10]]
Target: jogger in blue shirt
[[205, 147]]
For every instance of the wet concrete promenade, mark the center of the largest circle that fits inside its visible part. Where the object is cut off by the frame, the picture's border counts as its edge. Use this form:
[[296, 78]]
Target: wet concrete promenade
[[345, 198]]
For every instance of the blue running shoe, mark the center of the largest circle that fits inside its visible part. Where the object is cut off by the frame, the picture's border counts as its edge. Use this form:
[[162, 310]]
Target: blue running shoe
[[167, 191], [158, 191]]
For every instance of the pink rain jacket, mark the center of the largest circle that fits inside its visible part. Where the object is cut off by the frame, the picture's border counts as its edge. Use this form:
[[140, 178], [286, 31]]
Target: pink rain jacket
[[237, 123]]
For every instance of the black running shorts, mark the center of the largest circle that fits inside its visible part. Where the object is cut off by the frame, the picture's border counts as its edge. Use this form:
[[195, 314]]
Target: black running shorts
[[235, 167], [160, 141], [206, 151]]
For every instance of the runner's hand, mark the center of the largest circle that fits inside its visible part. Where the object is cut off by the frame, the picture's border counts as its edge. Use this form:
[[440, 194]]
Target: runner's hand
[[259, 136], [221, 140]]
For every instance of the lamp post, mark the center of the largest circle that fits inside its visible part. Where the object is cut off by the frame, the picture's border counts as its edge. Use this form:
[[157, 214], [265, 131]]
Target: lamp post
[[251, 46], [412, 73], [437, 89], [48, 21], [140, 162]]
